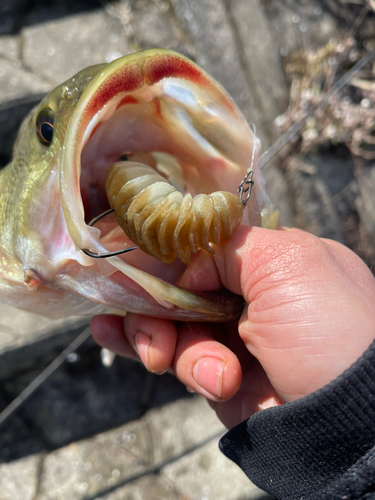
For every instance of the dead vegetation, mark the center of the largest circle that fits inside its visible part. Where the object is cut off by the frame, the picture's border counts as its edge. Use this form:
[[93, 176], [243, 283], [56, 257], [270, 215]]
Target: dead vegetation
[[349, 116], [358, 15], [330, 164]]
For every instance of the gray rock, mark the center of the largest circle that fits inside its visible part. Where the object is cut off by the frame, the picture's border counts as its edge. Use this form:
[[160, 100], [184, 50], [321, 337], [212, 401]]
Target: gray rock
[[85, 469], [133, 438], [18, 328], [197, 476], [57, 50], [261, 60], [17, 82], [10, 47], [153, 25], [196, 422], [19, 480], [146, 488]]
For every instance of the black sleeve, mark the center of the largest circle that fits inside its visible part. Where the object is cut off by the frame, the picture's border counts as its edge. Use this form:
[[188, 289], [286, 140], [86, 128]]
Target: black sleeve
[[319, 447]]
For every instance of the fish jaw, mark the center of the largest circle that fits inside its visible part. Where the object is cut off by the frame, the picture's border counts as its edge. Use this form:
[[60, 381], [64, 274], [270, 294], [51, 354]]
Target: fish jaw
[[163, 104], [198, 107]]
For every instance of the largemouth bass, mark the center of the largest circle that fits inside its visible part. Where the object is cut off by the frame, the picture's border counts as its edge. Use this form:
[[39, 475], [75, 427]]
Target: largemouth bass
[[156, 108]]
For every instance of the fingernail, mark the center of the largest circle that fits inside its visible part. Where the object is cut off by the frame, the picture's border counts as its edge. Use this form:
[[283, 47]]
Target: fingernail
[[159, 373], [208, 374], [143, 342], [190, 389]]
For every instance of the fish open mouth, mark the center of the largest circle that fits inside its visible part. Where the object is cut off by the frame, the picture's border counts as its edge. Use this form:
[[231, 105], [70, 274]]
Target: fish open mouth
[[160, 110]]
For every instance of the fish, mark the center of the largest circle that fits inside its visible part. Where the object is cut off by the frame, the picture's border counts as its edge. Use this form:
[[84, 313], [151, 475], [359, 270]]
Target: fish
[[156, 108]]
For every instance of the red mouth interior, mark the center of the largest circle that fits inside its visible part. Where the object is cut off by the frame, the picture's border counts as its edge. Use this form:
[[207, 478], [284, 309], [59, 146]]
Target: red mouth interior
[[135, 132]]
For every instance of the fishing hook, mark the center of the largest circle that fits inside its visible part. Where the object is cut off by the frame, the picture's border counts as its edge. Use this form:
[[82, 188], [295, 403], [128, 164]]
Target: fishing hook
[[109, 254], [248, 180]]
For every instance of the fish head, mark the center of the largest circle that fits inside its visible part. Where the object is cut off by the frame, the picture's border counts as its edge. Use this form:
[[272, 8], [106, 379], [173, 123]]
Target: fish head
[[155, 107]]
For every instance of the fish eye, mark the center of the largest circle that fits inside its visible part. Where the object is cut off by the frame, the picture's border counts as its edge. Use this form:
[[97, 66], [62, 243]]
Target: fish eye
[[44, 126]]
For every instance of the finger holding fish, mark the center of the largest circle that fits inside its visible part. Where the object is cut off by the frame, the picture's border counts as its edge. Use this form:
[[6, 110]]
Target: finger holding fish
[[197, 356]]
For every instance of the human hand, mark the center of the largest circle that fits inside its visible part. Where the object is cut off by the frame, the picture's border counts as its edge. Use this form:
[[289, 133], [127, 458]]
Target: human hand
[[310, 315]]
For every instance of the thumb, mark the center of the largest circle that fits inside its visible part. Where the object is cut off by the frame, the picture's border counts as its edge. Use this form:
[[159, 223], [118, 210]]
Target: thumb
[[239, 262], [308, 300], [223, 269]]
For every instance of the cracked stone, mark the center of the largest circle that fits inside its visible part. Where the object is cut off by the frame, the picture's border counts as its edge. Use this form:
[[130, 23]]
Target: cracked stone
[[153, 26], [196, 476], [146, 488], [19, 480], [16, 82], [86, 468], [262, 60], [196, 422], [9, 47], [133, 438], [279, 192], [59, 49]]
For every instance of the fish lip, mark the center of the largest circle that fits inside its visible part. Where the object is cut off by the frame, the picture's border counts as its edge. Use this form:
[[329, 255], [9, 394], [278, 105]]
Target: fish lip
[[82, 122]]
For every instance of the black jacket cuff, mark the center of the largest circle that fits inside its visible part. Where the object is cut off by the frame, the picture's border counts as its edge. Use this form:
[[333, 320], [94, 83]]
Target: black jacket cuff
[[319, 447]]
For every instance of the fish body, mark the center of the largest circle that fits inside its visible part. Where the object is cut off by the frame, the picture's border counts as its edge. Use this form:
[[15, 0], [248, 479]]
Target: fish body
[[156, 105]]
